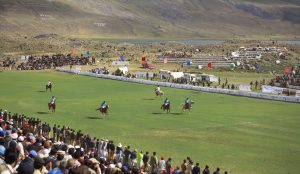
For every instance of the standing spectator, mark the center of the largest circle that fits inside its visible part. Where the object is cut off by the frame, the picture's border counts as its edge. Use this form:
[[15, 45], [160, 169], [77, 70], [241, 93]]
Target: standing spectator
[[139, 159], [161, 165], [183, 167], [153, 163], [133, 158], [169, 166], [119, 153], [206, 170], [146, 161], [256, 84], [217, 171], [196, 169], [190, 167], [127, 154]]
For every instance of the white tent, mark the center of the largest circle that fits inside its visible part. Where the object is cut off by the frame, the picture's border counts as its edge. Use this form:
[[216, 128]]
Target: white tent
[[177, 75]]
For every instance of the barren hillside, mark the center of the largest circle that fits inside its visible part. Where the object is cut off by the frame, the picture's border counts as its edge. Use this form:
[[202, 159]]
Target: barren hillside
[[150, 19]]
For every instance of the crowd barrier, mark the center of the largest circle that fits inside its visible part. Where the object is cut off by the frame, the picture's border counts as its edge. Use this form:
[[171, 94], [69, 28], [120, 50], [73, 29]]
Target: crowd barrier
[[190, 87]]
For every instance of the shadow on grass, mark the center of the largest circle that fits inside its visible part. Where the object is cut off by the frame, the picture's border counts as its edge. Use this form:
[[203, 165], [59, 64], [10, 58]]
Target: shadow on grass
[[94, 117], [158, 113], [164, 113], [148, 98], [40, 91], [176, 113], [43, 112]]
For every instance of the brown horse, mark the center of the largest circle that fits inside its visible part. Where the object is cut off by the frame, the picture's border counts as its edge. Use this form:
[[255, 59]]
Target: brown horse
[[165, 107], [187, 106], [52, 106], [48, 87], [103, 111]]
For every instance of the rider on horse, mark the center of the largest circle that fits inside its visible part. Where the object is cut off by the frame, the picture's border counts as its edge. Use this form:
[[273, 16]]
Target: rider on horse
[[103, 108], [157, 89], [188, 103], [52, 103], [103, 104], [167, 102], [48, 85], [53, 100]]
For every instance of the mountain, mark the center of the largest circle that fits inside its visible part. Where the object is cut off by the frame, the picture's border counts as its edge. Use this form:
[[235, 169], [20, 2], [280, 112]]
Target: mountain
[[150, 18]]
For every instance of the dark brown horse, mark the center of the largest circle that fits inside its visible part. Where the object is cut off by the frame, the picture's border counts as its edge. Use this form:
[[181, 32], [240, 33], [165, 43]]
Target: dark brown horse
[[187, 106], [103, 110], [165, 107], [52, 106], [48, 87]]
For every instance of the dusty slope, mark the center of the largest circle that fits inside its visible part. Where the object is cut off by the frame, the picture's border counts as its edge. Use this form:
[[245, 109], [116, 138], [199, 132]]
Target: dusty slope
[[155, 18]]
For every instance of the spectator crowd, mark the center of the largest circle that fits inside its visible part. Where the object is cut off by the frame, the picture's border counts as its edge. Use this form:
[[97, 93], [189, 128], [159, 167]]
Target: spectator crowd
[[292, 78], [57, 60], [30, 146]]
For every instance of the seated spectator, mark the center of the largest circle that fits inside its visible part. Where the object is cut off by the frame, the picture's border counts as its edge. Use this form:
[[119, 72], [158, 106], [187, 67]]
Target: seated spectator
[[11, 160]]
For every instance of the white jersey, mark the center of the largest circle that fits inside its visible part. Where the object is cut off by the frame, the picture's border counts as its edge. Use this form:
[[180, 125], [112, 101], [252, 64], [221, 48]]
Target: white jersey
[[49, 83], [157, 89], [53, 100]]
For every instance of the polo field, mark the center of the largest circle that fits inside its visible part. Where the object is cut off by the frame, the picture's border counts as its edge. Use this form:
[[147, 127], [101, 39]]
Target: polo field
[[237, 134]]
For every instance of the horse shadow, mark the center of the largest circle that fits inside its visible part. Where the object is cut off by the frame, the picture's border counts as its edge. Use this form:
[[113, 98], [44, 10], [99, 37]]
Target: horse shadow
[[157, 113], [148, 98], [93, 118], [176, 113], [43, 113], [163, 113]]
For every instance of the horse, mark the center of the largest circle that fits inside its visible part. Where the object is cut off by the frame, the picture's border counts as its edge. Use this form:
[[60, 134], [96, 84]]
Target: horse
[[159, 93], [187, 106], [48, 87], [165, 107], [103, 110], [52, 106]]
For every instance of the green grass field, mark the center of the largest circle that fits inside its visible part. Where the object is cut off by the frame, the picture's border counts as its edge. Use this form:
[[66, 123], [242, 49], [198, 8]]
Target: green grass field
[[241, 135]]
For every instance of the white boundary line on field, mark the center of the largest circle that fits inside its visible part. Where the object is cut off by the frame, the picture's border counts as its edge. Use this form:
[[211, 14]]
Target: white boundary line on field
[[190, 87]]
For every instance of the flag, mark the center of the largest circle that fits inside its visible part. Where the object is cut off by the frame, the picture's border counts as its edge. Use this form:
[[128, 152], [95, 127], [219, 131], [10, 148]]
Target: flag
[[165, 60], [288, 69], [87, 53], [122, 57], [209, 65]]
